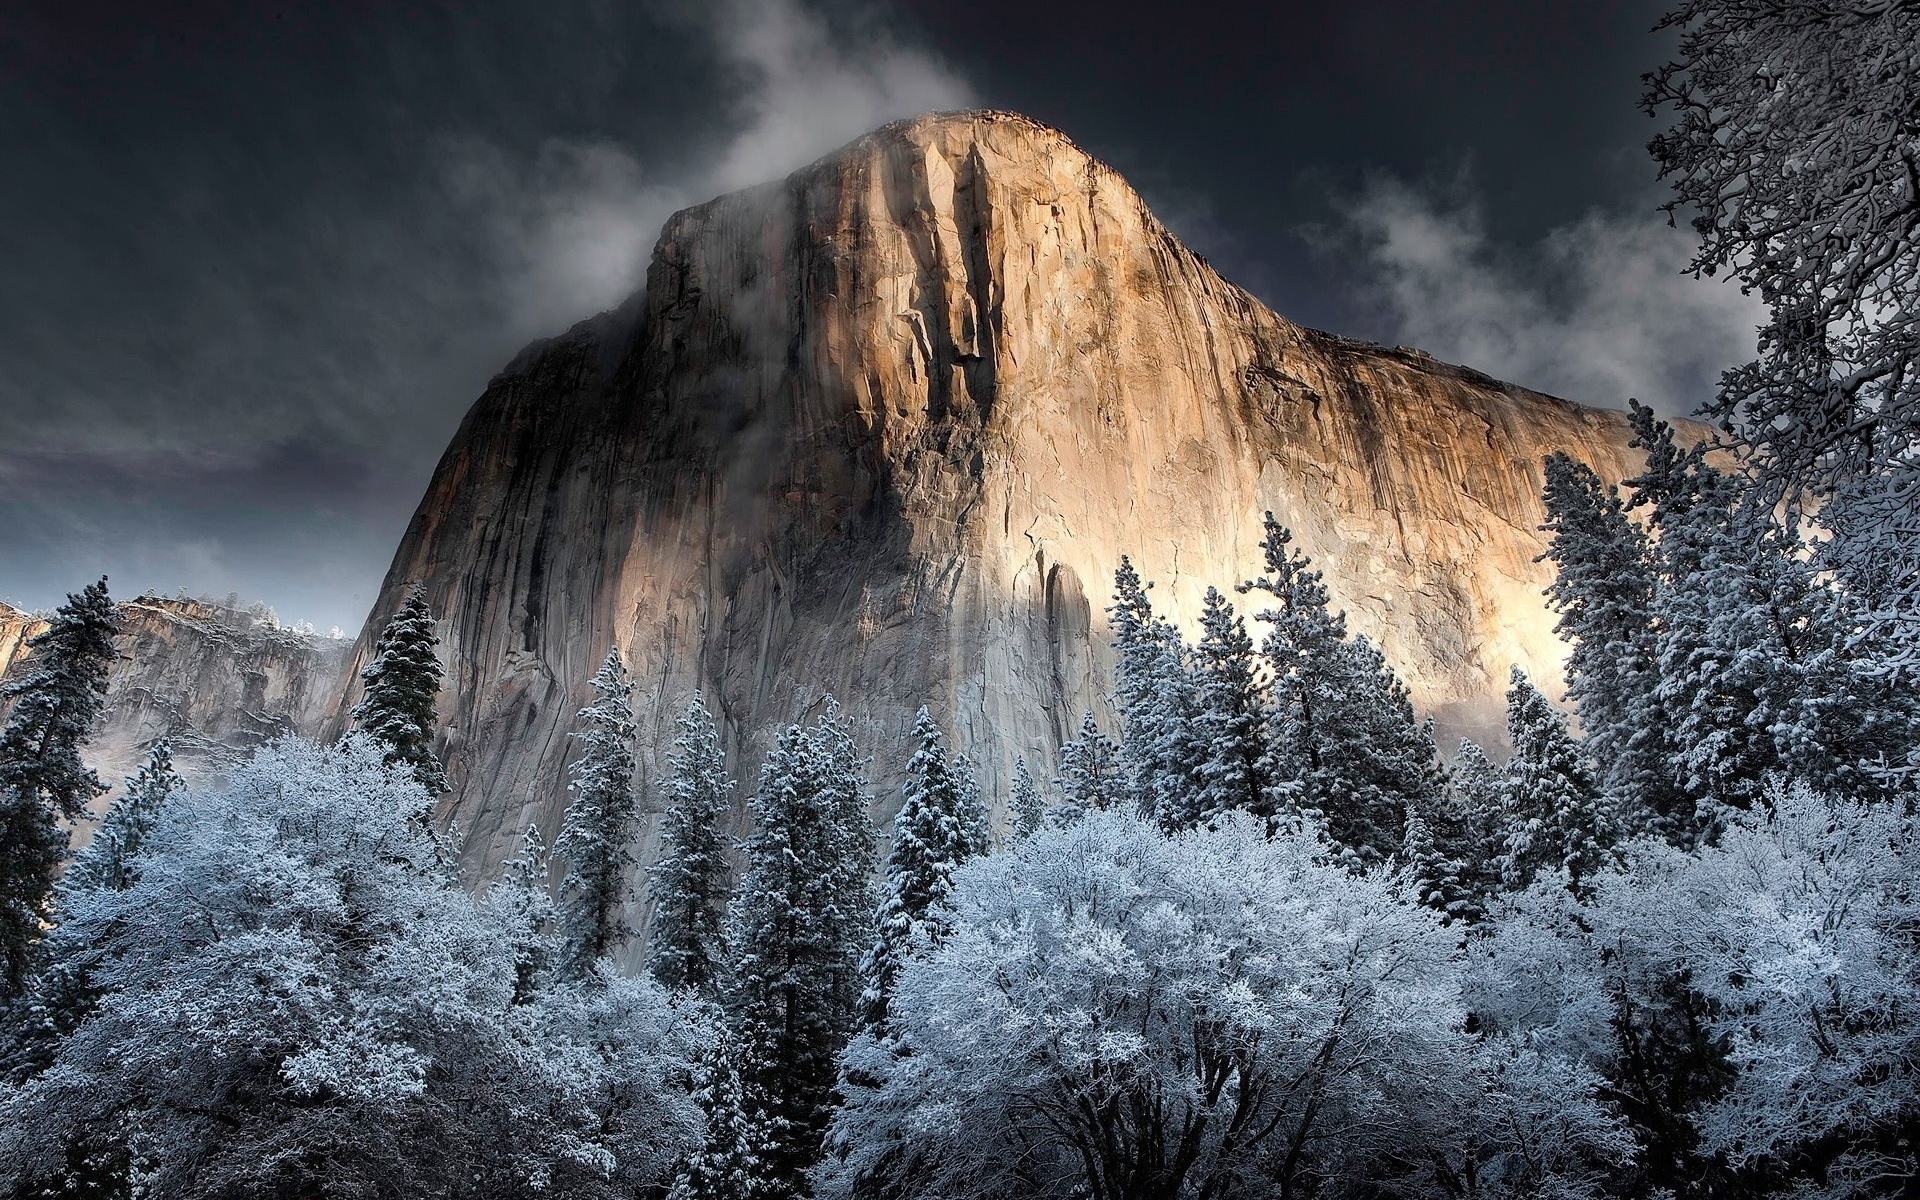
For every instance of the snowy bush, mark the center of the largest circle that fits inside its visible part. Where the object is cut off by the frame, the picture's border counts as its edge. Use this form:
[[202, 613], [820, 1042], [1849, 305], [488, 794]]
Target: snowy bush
[[296, 997]]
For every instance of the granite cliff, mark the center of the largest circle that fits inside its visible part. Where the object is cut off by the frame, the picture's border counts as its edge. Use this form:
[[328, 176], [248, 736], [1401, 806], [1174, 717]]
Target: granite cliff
[[883, 429], [218, 681]]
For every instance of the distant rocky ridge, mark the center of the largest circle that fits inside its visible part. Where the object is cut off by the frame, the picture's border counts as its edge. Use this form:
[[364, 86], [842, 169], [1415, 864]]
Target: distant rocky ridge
[[218, 681], [883, 429]]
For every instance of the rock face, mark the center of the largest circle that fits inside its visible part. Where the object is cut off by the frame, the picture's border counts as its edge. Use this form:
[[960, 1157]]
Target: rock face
[[884, 430], [218, 681]]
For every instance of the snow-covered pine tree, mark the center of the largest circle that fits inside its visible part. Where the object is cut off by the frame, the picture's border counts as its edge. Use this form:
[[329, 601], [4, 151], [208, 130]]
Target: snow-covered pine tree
[[400, 689], [1345, 746], [110, 858], [1603, 591], [729, 1166], [689, 887], [931, 837], [597, 832], [1765, 667], [1229, 723], [796, 933], [62, 991], [1556, 819], [1437, 878], [1153, 695], [973, 806], [1026, 810], [522, 898], [1474, 833], [1091, 775], [42, 780]]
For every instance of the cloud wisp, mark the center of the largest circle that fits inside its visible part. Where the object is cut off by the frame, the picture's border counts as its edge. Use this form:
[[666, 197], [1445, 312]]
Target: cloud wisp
[[1596, 311], [576, 224]]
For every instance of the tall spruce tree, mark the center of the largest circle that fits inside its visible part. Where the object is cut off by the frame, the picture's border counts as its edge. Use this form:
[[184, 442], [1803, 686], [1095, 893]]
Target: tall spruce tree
[[400, 689], [731, 1164], [62, 991], [42, 779], [1345, 747], [932, 835], [1091, 775], [689, 887], [597, 832], [1555, 817], [1604, 593], [1026, 808], [796, 932], [1229, 723], [1153, 695]]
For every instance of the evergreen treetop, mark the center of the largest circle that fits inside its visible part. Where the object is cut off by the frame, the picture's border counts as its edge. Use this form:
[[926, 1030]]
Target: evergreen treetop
[[401, 689], [42, 778]]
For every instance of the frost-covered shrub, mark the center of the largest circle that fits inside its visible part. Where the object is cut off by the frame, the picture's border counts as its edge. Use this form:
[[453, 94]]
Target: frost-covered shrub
[[297, 997], [1116, 1012]]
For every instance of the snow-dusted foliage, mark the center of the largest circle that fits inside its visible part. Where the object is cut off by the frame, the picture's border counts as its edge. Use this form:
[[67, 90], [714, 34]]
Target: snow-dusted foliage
[[1792, 147], [294, 997], [1604, 592], [597, 833], [933, 833], [1229, 721], [110, 859], [1345, 745], [798, 926], [1153, 693], [1091, 778], [689, 884], [1120, 1013], [1556, 820], [42, 780], [400, 690], [1751, 1003], [1026, 807]]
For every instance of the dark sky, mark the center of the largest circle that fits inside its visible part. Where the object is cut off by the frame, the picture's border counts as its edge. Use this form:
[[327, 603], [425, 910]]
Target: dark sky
[[256, 261]]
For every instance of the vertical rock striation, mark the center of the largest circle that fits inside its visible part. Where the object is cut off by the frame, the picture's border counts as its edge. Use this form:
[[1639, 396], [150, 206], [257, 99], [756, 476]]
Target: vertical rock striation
[[218, 681], [884, 429]]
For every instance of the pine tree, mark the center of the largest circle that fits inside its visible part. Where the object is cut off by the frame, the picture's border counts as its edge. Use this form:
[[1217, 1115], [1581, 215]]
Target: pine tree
[[525, 903], [63, 992], [111, 858], [796, 931], [1153, 695], [1437, 877], [689, 887], [1603, 591], [42, 780], [1090, 777], [1556, 820], [1229, 723], [401, 687], [932, 835], [1764, 666], [1345, 747], [597, 832], [1026, 808], [1475, 834], [740, 1129]]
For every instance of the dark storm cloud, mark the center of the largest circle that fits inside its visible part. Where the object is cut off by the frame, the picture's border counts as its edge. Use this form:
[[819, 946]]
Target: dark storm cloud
[[258, 261]]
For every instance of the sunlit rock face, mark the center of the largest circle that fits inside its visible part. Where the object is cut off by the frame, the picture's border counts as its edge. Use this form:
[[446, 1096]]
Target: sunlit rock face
[[884, 430], [218, 682]]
